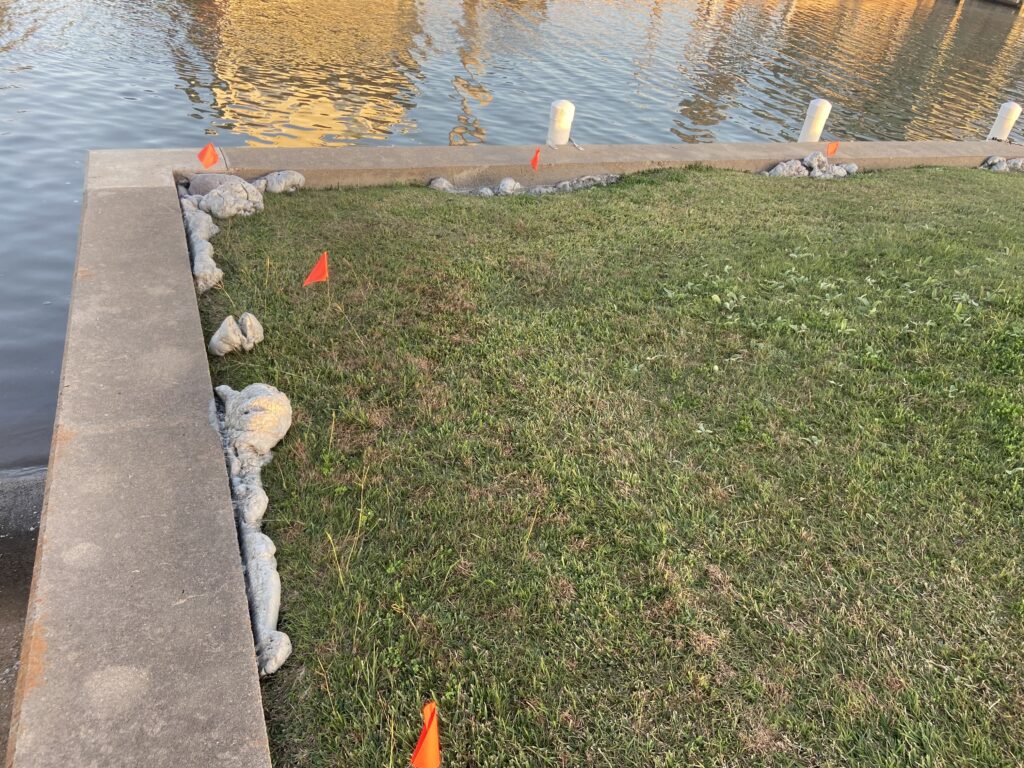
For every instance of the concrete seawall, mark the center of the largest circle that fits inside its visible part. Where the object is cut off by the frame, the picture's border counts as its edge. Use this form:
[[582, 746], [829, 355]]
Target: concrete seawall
[[21, 499], [138, 648]]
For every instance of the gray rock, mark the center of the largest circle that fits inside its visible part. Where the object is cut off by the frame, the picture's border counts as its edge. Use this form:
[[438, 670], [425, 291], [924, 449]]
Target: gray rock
[[205, 183], [509, 186], [227, 338], [252, 330], [251, 501], [992, 160], [199, 225], [850, 168], [584, 182], [441, 184], [817, 173], [255, 419], [816, 161], [1000, 167], [1016, 164], [232, 335], [236, 198], [283, 181], [251, 423], [190, 203], [838, 172], [788, 169], [205, 272]]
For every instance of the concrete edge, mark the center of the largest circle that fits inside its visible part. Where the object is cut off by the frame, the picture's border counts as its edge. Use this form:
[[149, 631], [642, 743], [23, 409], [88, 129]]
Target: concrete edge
[[26, 641], [137, 647], [481, 163], [122, 188]]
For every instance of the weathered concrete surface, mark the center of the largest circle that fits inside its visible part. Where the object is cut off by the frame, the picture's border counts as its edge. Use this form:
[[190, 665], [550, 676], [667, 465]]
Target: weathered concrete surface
[[21, 498], [476, 165], [480, 164], [138, 648]]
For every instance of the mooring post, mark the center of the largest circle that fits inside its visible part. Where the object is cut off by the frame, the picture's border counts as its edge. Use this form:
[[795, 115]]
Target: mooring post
[[817, 113], [560, 123], [1005, 120]]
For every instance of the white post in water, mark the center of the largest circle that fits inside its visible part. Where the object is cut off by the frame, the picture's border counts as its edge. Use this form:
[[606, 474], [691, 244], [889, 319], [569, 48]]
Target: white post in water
[[1005, 120], [560, 125], [817, 113]]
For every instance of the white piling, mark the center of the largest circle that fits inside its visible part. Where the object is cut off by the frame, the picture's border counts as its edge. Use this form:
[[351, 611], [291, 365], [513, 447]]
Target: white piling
[[562, 113], [1005, 120], [817, 113]]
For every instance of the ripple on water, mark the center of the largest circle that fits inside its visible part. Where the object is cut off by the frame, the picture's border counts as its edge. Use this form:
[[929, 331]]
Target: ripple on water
[[142, 73]]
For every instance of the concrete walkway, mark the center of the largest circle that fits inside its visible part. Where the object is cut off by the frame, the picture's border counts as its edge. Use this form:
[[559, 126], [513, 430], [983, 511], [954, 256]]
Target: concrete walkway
[[21, 498]]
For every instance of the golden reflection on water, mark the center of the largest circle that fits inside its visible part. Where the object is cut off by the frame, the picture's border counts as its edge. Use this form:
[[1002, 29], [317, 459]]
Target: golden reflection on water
[[313, 72], [307, 72]]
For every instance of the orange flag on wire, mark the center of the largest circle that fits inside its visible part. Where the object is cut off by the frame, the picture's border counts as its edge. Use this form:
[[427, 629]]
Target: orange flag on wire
[[428, 749], [536, 159], [832, 149], [319, 272], [208, 156]]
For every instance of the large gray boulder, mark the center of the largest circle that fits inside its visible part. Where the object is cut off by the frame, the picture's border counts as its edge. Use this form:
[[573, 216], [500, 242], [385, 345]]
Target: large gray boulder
[[236, 198], [205, 183], [255, 419]]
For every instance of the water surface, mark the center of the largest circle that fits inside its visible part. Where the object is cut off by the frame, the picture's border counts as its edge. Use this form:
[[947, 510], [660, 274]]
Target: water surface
[[82, 74]]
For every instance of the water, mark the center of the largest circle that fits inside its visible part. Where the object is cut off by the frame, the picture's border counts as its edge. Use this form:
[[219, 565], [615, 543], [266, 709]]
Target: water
[[80, 74]]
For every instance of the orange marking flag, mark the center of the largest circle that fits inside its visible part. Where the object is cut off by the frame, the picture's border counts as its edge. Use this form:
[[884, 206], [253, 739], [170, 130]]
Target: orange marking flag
[[832, 149], [536, 159], [208, 156], [319, 272], [428, 749]]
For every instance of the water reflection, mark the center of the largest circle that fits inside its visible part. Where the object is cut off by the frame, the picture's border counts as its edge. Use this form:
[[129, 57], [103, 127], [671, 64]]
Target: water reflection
[[292, 73], [473, 94], [309, 72], [115, 73]]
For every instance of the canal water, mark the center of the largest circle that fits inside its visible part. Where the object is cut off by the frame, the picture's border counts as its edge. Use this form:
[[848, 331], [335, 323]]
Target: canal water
[[80, 74]]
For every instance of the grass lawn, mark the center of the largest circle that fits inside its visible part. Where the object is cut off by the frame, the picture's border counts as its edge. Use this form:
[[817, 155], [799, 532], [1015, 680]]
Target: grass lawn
[[704, 468]]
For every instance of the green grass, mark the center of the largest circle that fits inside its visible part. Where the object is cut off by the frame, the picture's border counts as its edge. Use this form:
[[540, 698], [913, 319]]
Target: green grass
[[700, 469]]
